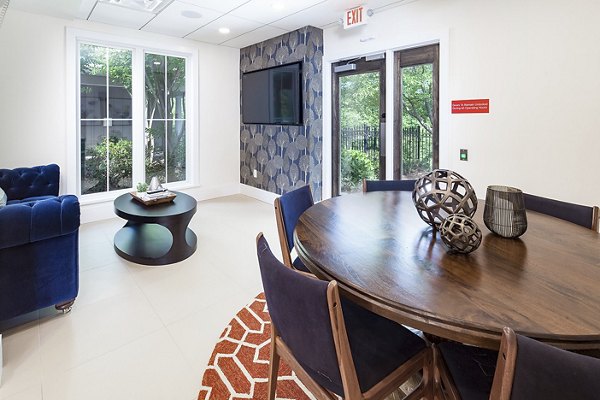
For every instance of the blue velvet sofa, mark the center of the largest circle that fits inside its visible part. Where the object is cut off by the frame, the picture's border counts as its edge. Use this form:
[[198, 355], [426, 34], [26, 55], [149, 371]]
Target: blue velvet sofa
[[39, 242]]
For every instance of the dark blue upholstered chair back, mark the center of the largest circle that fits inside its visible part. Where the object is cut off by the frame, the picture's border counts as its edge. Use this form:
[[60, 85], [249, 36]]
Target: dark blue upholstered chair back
[[545, 372], [20, 183], [288, 208], [327, 334], [380, 185], [299, 311], [525, 369], [293, 204], [575, 213]]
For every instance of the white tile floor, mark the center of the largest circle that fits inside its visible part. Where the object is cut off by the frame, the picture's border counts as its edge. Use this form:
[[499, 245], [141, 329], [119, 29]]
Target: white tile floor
[[140, 332]]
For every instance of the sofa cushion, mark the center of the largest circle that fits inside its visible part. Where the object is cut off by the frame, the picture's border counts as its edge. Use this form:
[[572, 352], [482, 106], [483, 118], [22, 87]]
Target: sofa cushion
[[29, 200], [2, 198]]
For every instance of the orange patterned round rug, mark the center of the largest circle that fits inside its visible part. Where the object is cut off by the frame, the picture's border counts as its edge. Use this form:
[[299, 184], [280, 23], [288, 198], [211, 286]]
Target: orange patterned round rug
[[239, 365]]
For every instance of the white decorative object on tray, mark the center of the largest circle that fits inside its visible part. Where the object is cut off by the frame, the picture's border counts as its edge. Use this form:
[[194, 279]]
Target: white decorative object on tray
[[150, 198]]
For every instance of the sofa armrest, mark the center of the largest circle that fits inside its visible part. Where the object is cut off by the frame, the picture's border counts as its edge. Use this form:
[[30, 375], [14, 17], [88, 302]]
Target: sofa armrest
[[30, 222]]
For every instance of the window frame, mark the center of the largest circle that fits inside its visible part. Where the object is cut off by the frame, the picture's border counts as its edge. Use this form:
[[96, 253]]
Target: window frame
[[139, 47]]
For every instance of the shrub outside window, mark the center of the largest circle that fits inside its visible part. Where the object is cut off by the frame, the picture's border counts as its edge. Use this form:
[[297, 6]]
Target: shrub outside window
[[107, 117]]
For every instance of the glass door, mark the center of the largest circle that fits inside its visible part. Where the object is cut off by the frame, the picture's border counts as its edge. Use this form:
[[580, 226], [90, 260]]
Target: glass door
[[416, 149], [358, 123]]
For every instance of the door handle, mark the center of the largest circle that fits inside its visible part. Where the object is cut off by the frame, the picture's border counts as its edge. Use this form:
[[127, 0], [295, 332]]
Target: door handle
[[382, 139]]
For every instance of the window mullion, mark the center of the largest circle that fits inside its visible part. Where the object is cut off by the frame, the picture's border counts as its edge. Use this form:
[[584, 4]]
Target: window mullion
[[166, 114], [138, 122], [107, 120]]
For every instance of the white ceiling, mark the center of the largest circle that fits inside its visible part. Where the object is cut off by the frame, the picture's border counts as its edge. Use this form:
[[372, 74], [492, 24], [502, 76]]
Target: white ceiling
[[249, 21]]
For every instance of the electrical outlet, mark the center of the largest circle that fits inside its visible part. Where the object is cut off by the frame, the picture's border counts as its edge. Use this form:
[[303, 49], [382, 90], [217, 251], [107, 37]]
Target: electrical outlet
[[464, 155], [255, 173]]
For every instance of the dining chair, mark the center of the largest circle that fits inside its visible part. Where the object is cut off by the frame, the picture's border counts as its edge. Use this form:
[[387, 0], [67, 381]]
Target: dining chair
[[586, 216], [463, 372], [288, 208], [528, 369], [334, 346], [406, 185]]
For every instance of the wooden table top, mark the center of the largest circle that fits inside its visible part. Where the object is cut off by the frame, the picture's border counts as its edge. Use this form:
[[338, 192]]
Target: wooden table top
[[545, 285]]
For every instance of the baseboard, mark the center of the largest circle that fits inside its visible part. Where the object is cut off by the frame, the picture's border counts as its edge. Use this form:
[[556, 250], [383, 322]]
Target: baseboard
[[105, 210], [258, 194]]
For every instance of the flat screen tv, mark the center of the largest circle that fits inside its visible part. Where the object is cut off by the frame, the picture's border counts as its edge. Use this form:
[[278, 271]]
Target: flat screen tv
[[273, 95]]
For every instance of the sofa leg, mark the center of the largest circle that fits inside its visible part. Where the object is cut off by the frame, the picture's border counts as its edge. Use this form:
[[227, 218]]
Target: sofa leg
[[65, 307]]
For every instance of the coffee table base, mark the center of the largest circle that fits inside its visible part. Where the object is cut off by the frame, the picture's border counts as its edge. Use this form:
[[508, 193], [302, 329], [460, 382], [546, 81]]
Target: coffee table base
[[152, 244]]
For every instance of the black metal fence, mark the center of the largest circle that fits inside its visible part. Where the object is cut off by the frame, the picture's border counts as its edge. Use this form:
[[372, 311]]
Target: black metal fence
[[364, 138], [416, 143]]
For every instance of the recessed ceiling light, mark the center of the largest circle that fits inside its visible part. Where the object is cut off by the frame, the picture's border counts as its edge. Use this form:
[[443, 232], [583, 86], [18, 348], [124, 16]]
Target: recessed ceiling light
[[278, 5], [224, 30], [191, 14]]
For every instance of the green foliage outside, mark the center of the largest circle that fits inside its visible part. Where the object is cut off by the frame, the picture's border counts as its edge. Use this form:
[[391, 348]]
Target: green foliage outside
[[355, 166], [94, 61], [359, 100], [165, 145], [417, 113], [119, 154], [417, 98], [359, 106], [165, 102]]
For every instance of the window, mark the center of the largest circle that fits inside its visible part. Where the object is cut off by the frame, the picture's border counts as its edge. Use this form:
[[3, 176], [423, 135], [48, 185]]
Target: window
[[165, 117], [132, 119], [416, 136], [105, 122]]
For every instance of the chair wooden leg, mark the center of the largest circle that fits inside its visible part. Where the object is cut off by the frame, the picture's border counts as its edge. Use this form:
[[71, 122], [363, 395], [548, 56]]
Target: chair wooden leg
[[428, 376], [273, 365]]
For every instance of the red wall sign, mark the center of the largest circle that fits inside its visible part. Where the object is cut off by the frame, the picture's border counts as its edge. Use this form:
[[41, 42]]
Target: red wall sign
[[475, 106], [354, 17]]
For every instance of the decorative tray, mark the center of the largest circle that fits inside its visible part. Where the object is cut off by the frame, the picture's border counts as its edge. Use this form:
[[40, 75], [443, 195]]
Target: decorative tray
[[151, 199]]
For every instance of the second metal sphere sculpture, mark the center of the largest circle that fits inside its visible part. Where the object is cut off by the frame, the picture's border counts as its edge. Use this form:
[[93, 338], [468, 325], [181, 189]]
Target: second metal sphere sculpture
[[441, 193], [460, 233]]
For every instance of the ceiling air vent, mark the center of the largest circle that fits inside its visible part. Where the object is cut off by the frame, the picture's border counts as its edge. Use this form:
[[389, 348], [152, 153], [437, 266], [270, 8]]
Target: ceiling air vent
[[153, 6]]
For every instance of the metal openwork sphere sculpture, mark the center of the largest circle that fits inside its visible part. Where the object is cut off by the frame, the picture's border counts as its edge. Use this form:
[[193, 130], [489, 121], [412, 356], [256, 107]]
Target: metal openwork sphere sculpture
[[460, 233], [441, 193]]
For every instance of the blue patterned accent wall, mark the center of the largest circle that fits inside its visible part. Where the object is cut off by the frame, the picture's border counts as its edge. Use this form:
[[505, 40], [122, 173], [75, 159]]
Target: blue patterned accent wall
[[284, 156]]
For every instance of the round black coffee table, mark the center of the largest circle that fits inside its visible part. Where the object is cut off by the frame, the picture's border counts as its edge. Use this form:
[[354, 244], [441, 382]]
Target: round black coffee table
[[156, 234]]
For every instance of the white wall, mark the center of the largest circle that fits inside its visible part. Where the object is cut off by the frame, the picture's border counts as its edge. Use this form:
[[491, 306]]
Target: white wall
[[537, 61], [33, 102]]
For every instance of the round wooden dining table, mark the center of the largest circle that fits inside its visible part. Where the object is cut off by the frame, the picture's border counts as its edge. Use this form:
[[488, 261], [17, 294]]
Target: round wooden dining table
[[545, 284]]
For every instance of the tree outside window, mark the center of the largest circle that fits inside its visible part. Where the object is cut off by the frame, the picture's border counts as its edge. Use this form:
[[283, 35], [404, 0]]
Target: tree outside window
[[165, 117], [106, 118]]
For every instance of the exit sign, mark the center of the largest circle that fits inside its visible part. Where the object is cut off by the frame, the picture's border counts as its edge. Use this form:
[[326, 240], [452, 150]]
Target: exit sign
[[354, 17]]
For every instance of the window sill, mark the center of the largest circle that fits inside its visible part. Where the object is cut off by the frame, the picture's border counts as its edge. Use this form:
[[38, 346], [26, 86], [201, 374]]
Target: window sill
[[108, 197]]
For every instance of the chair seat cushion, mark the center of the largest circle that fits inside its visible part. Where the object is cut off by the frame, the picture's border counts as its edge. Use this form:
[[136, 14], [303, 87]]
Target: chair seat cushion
[[379, 346], [299, 265], [472, 369]]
